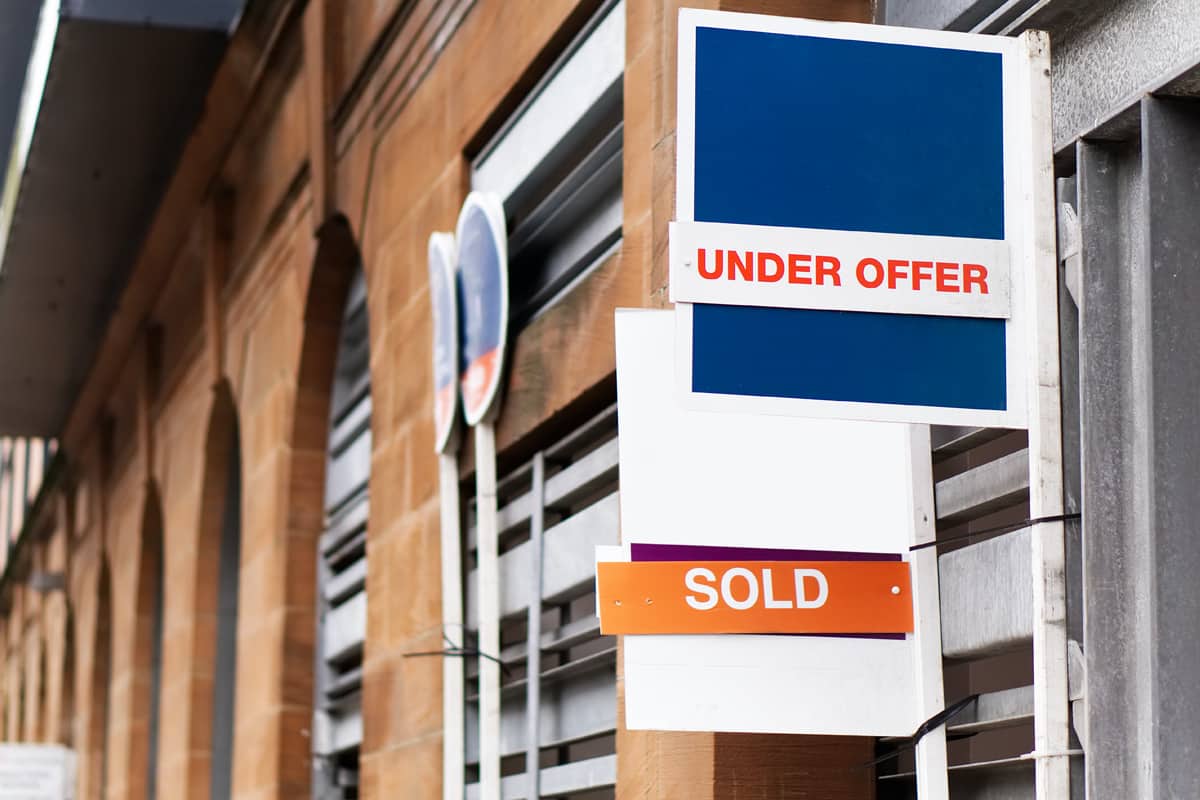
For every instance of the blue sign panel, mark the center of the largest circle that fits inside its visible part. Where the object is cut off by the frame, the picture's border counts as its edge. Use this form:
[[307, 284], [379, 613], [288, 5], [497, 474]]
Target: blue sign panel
[[483, 278], [443, 296], [808, 132], [848, 131], [849, 355]]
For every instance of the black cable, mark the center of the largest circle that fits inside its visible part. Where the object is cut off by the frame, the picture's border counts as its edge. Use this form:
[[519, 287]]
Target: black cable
[[454, 651], [1010, 527], [931, 724]]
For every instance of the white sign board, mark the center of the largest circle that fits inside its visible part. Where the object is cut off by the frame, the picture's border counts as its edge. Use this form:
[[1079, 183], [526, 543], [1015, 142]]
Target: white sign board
[[36, 772], [750, 265], [856, 224], [704, 482]]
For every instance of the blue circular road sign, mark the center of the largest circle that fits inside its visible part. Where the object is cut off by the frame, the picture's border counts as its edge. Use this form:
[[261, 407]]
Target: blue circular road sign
[[483, 280]]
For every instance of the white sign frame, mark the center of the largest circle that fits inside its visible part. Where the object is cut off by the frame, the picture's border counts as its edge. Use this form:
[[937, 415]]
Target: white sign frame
[[1027, 159], [813, 288], [38, 772], [658, 467]]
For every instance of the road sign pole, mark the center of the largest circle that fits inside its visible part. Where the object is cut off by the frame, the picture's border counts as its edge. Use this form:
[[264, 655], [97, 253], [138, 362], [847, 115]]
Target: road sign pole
[[489, 611], [533, 654], [452, 624], [444, 307], [483, 289]]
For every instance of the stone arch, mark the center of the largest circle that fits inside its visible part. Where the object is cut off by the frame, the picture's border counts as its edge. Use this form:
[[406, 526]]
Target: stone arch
[[209, 731], [16, 693], [144, 683], [96, 670], [67, 718], [36, 711], [335, 265], [56, 713]]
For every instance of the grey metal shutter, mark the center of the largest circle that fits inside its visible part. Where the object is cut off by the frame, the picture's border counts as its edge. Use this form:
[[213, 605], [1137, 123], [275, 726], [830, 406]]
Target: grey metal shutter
[[564, 497], [342, 563]]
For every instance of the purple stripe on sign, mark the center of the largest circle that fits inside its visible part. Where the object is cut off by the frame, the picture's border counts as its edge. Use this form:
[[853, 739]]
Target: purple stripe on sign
[[701, 552], [697, 552]]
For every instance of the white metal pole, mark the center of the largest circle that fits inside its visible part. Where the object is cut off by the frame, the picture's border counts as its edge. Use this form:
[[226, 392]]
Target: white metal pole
[[1051, 731], [533, 656], [453, 737], [932, 778], [489, 611]]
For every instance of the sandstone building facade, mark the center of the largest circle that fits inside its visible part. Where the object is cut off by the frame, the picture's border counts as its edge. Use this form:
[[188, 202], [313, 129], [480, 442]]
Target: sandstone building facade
[[266, 370]]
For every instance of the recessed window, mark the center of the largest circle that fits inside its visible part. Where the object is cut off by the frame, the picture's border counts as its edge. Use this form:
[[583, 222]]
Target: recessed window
[[556, 164], [564, 499], [342, 562]]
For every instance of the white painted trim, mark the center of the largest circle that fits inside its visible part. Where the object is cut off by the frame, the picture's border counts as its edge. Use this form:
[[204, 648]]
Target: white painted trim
[[489, 612], [31, 103], [453, 690]]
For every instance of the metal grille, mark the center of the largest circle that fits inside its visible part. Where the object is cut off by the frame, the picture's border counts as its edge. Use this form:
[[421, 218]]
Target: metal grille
[[342, 566], [982, 493], [982, 484], [979, 16], [562, 503], [557, 164]]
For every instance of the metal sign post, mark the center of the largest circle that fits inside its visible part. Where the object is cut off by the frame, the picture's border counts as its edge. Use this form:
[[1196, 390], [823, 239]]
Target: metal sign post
[[483, 276], [1051, 712], [453, 672], [933, 778], [864, 234], [443, 295]]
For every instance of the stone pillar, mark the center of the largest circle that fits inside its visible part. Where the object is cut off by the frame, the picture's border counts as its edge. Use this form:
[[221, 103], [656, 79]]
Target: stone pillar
[[706, 766]]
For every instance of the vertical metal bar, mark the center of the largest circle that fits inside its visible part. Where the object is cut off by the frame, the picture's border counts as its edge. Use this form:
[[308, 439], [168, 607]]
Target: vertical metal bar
[[1116, 622], [1171, 176], [453, 690], [1069, 301], [1051, 724], [1068, 358], [533, 657], [489, 611], [932, 775]]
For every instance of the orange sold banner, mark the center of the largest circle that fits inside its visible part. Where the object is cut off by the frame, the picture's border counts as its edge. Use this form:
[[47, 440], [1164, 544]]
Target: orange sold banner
[[665, 597]]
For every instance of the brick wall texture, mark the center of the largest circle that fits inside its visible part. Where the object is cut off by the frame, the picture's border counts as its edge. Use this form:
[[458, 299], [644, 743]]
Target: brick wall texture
[[346, 128]]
